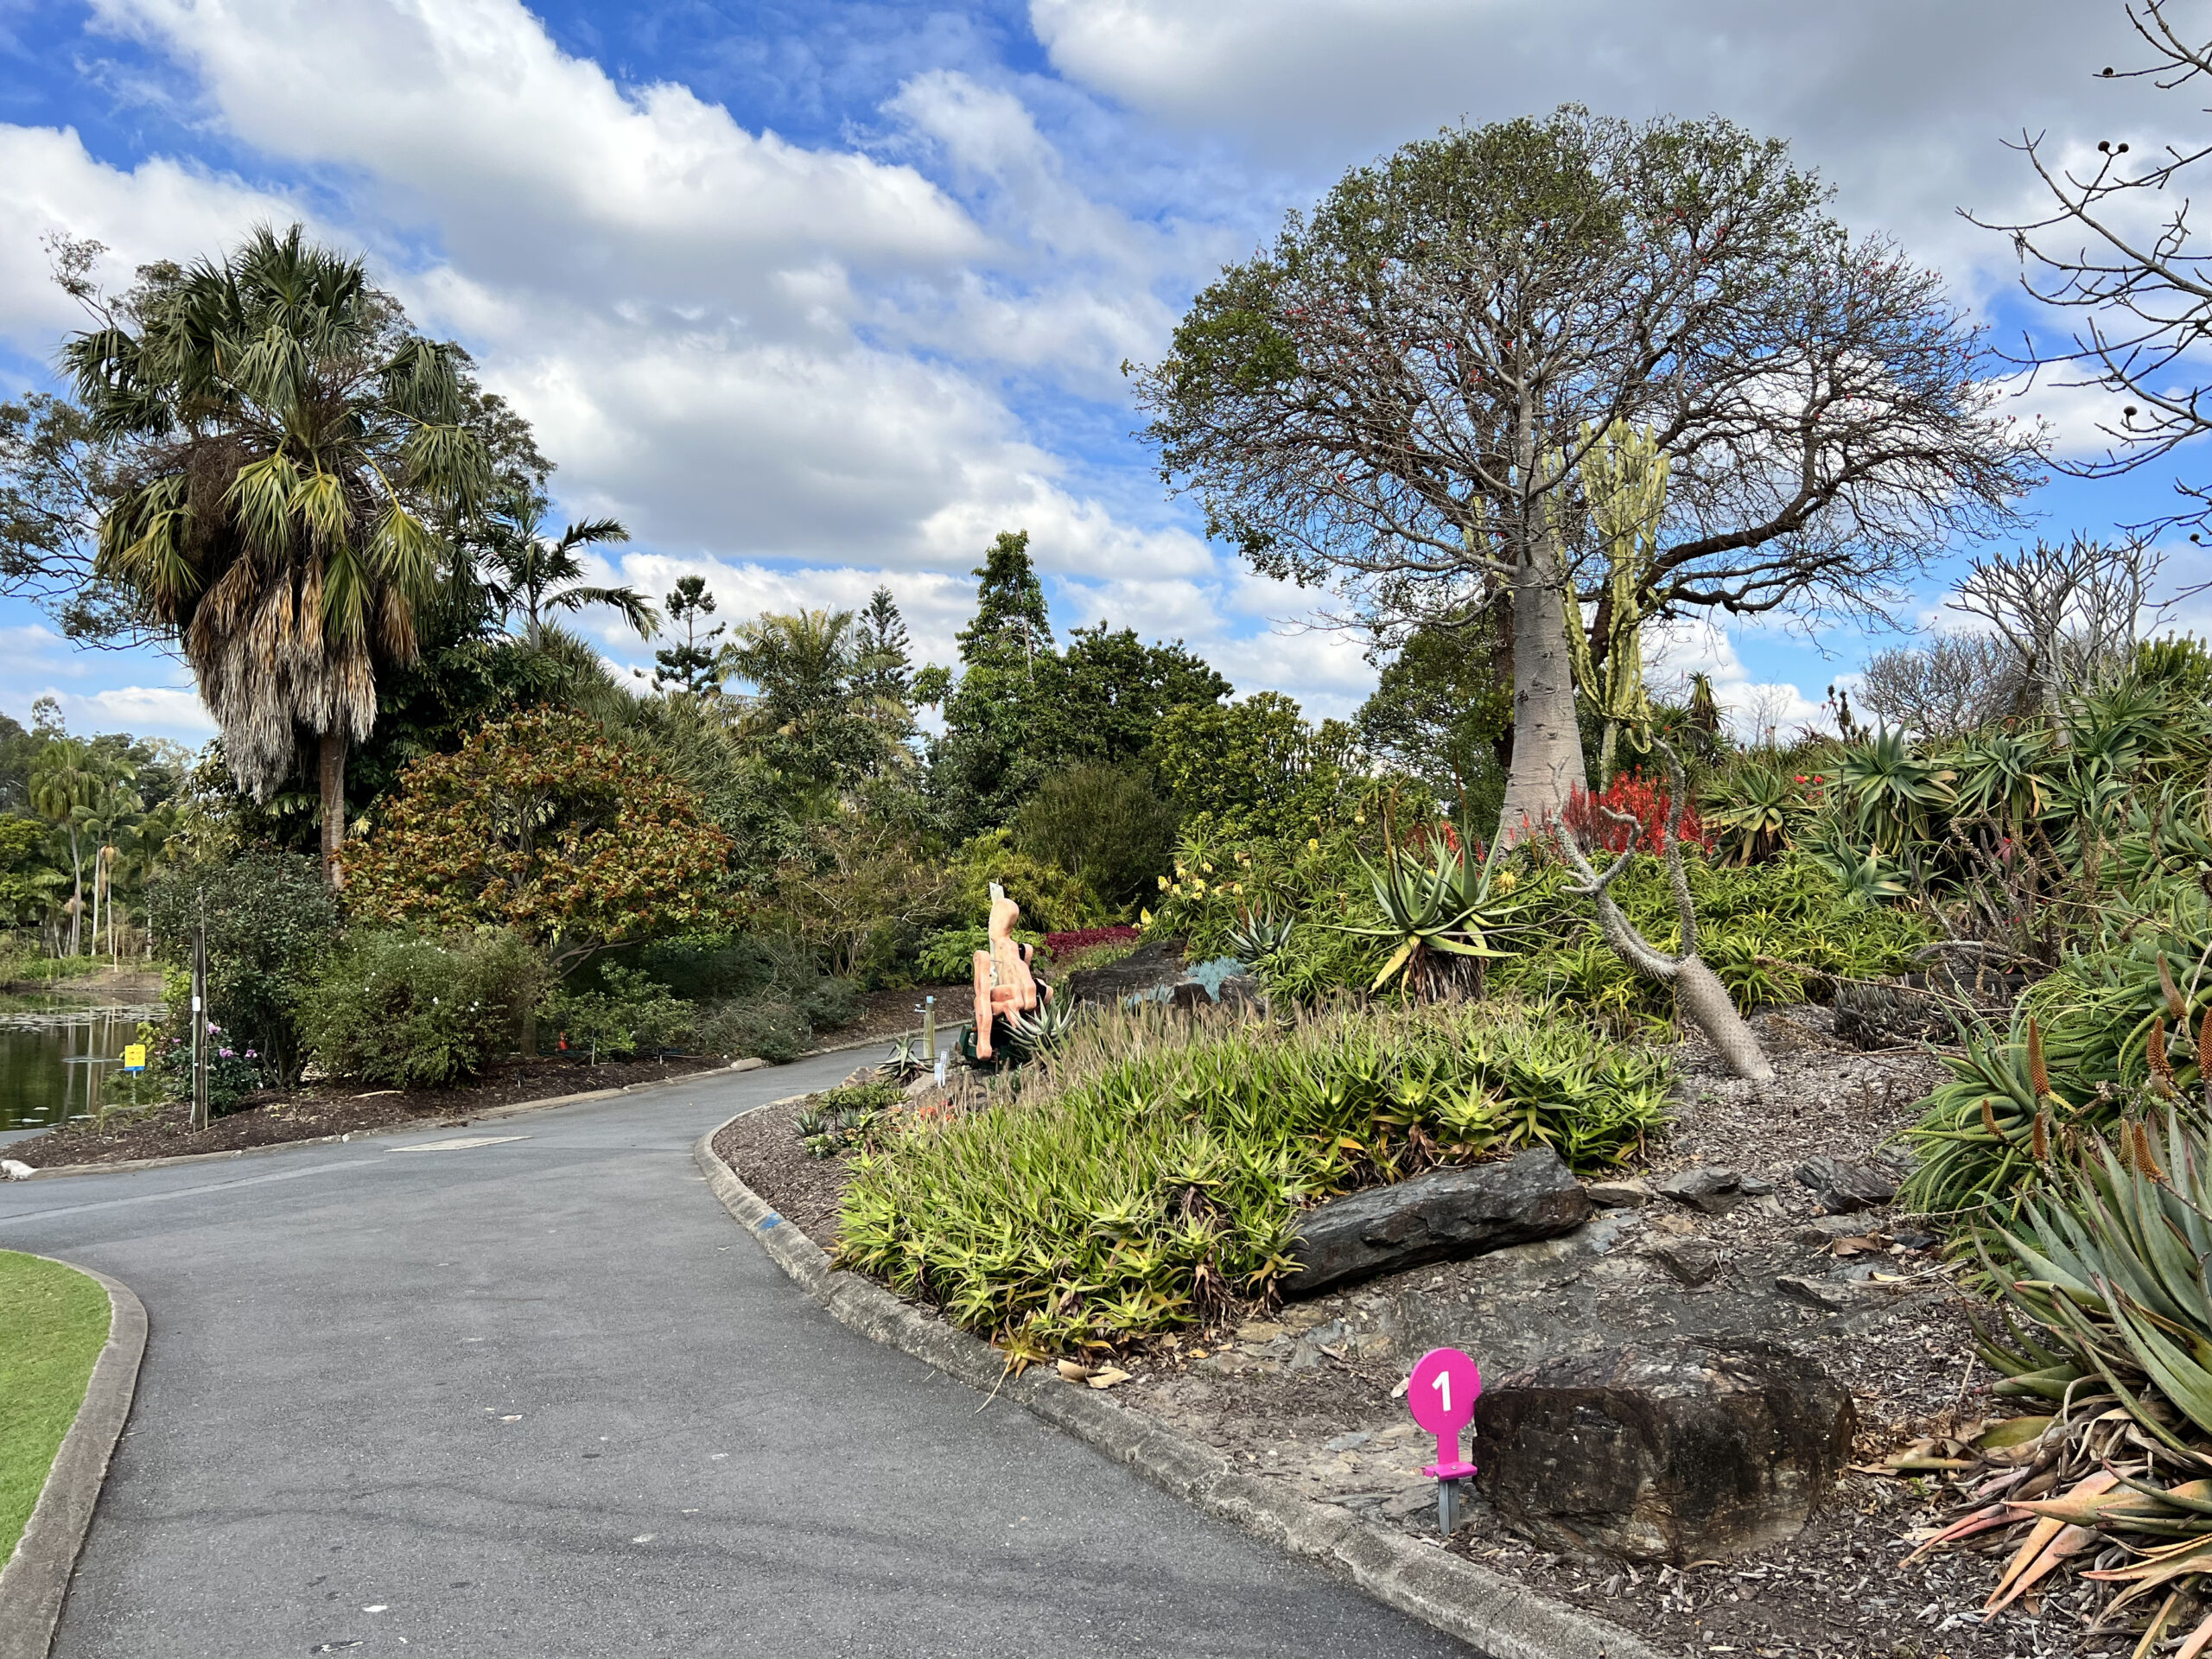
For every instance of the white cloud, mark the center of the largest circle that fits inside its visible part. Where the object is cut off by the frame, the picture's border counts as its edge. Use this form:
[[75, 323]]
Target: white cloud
[[49, 185], [1905, 104]]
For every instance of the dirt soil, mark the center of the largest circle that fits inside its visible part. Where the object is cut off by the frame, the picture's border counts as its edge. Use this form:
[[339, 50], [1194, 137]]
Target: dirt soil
[[886, 1015], [1307, 1392], [269, 1118]]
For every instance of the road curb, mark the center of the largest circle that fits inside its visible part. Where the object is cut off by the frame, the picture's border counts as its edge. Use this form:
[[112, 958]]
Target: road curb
[[1502, 1619], [489, 1115], [36, 1582]]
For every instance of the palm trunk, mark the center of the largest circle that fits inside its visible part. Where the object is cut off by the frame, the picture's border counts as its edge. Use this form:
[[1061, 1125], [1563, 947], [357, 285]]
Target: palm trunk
[[331, 769], [76, 896]]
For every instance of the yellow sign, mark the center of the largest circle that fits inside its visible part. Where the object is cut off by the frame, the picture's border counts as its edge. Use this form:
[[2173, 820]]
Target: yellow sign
[[134, 1056]]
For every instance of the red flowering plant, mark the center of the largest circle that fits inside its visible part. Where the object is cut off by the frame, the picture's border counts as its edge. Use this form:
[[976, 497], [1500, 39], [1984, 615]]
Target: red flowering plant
[[1090, 947], [1646, 803]]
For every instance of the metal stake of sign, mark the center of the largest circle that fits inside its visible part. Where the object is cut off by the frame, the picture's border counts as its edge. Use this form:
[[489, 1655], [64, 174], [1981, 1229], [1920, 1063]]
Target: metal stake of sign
[[200, 1026], [1441, 1394]]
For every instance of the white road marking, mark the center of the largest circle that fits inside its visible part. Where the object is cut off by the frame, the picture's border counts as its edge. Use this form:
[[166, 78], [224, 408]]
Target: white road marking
[[461, 1145]]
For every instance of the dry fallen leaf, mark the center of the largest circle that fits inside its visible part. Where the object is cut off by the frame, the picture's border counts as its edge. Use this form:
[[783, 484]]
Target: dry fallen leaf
[[1109, 1378], [1075, 1371]]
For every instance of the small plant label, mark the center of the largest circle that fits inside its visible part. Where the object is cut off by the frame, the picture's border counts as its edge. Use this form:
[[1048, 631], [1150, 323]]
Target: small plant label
[[1441, 1393], [134, 1056]]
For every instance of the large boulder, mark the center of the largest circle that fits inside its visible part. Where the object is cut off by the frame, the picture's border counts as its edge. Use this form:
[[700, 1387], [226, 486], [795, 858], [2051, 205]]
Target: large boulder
[[1681, 1452], [1445, 1213]]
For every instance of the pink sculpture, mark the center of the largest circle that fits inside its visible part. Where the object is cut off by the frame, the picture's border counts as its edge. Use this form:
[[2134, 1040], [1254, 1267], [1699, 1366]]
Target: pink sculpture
[[1004, 982]]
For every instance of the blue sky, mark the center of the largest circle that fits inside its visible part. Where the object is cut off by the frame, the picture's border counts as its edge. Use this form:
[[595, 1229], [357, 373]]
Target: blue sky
[[814, 296]]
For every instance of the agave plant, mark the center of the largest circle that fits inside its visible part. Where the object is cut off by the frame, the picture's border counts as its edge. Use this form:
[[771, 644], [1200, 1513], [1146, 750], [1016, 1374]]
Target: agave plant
[[1258, 934], [1751, 812], [1427, 911]]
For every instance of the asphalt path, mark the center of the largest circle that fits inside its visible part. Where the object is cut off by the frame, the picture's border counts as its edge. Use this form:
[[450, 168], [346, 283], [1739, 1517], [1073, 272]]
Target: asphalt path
[[544, 1397]]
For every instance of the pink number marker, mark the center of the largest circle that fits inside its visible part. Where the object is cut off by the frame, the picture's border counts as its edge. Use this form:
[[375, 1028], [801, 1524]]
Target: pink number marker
[[1441, 1394]]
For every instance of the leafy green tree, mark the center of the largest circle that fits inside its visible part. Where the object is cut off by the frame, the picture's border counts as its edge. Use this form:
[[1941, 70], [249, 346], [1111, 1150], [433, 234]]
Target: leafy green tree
[[545, 824], [27, 879], [1111, 825], [1440, 713], [1010, 629], [809, 718], [885, 658], [1254, 767], [1102, 699], [688, 665], [71, 787], [1396, 398], [528, 573], [303, 460]]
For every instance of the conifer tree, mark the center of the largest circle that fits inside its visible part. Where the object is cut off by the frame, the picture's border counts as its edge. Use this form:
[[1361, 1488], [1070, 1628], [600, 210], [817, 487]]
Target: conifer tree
[[690, 666]]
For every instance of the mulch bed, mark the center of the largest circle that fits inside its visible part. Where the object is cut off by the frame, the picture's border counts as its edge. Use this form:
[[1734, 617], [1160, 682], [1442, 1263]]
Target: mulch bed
[[1837, 1590], [764, 1147], [271, 1118]]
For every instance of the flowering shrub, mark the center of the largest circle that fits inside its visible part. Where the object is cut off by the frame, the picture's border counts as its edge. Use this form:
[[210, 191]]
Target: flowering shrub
[[233, 1072], [417, 1011], [1646, 802]]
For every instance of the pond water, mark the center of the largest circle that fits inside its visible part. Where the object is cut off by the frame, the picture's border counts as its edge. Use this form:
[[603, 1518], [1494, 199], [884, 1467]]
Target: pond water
[[49, 1047]]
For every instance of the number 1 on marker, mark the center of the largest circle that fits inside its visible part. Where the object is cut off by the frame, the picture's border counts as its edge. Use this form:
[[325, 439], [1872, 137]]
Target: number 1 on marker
[[1443, 1386]]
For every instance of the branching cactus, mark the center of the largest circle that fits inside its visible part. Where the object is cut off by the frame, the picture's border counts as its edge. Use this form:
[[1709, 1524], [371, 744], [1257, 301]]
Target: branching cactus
[[1699, 995]]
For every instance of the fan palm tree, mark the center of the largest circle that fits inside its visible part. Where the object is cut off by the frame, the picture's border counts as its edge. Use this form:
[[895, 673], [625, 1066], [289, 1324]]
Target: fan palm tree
[[301, 463], [525, 570]]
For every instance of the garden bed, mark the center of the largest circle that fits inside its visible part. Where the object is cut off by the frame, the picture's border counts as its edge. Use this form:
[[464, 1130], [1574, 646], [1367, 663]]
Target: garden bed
[[307, 1113], [887, 1014], [1305, 1393]]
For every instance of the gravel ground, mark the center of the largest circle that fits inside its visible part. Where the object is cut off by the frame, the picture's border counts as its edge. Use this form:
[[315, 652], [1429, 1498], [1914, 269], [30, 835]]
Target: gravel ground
[[1305, 1392]]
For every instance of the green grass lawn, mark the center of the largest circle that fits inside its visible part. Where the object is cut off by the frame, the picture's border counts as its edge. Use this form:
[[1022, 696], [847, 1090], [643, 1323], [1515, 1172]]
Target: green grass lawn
[[53, 1325]]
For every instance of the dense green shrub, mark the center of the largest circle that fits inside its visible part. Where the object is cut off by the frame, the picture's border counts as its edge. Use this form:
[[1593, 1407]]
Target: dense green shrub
[[778, 1023], [949, 955], [1051, 899], [417, 1011], [271, 923], [766, 1027], [629, 1013], [1148, 1170], [1112, 826]]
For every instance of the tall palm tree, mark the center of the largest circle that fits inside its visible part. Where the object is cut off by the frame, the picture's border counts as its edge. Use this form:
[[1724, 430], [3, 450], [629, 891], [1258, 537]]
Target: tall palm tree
[[71, 786], [301, 463], [525, 570]]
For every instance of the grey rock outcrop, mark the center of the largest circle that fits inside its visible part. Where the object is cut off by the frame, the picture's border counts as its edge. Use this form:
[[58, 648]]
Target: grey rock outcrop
[[1844, 1189], [1677, 1453], [1443, 1214], [1691, 1260], [1715, 1191]]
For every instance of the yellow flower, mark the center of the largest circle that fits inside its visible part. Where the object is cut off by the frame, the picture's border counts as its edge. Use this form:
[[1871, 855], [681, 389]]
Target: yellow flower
[[1198, 887], [1312, 844], [1359, 817], [1163, 884], [1507, 881], [1208, 869], [1144, 919]]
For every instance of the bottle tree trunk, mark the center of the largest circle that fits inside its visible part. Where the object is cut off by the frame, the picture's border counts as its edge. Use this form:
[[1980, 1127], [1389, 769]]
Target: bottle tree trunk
[[1548, 763], [331, 769]]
